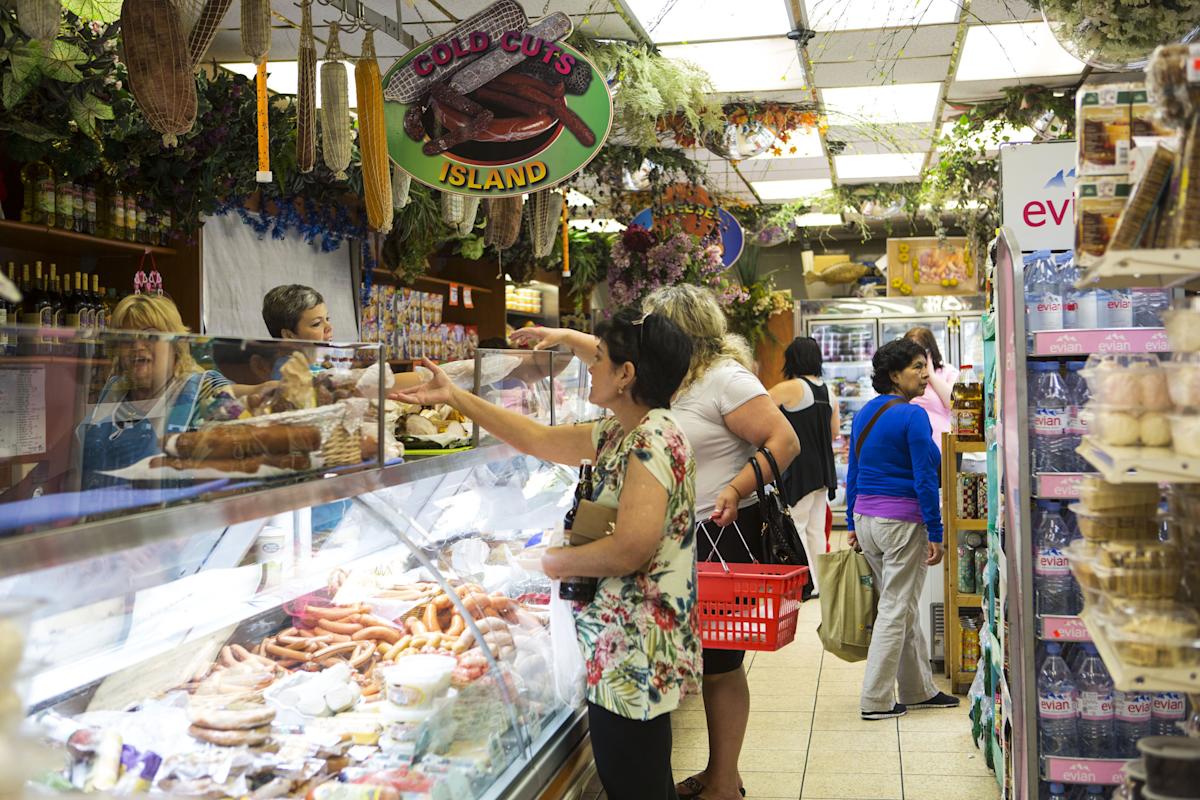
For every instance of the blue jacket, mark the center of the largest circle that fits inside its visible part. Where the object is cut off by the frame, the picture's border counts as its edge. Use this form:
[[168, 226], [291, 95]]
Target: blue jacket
[[899, 459]]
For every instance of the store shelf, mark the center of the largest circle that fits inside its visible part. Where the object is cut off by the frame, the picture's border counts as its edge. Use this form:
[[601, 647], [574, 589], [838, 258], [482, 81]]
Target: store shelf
[[855, 400], [1057, 485], [1125, 269], [1091, 771], [1140, 464], [963, 678], [527, 314], [1127, 677], [1081, 342], [971, 524], [835, 364], [1063, 629], [968, 599], [44, 239], [383, 274], [962, 446]]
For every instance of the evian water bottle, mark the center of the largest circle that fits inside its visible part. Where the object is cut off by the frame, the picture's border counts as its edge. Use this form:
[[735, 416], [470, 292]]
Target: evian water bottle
[[1056, 706], [1043, 293], [1133, 711], [1048, 415], [1095, 706], [1167, 711], [1053, 586]]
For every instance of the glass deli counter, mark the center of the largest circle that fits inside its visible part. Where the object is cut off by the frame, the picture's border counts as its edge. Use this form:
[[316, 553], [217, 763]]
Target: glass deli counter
[[377, 628]]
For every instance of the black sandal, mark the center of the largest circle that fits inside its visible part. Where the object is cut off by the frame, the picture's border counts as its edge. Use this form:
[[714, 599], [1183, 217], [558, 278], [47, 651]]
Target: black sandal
[[695, 788]]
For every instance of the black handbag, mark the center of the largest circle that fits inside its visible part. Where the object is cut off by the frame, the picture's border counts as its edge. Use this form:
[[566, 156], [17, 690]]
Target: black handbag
[[781, 540]]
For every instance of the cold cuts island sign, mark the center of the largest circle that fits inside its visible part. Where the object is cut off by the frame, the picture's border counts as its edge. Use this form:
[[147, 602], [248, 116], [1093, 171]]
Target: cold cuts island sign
[[497, 106]]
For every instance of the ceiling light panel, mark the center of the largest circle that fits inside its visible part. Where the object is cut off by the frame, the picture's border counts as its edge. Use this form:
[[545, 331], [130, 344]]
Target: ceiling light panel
[[848, 15], [748, 66], [880, 166], [1015, 50], [793, 189], [884, 45], [706, 20], [870, 71], [800, 144], [883, 105]]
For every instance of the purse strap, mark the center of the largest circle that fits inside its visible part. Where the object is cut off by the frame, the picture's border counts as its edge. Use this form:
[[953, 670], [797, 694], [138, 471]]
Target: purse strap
[[862, 437], [771, 462]]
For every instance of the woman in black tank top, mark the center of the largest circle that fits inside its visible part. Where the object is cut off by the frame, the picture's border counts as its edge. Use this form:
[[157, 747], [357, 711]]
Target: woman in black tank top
[[811, 481]]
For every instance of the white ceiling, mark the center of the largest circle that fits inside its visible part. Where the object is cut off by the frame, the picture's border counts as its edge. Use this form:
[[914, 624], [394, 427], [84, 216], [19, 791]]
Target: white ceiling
[[866, 74]]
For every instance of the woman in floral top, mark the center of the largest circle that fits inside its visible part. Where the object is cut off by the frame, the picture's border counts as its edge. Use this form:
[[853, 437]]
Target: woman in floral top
[[640, 634]]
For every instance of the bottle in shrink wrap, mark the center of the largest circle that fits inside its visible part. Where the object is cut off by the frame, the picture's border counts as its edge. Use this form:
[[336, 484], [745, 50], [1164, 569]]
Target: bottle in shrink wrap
[[1043, 293], [1095, 706], [1057, 706], [1133, 716], [1167, 712], [1053, 584], [1048, 414]]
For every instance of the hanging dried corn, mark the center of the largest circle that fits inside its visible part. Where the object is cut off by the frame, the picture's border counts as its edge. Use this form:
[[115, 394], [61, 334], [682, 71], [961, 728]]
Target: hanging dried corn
[[372, 138], [155, 53], [256, 29], [545, 209], [453, 206], [566, 241], [264, 126], [470, 211], [335, 109], [202, 33], [504, 221], [401, 181], [40, 18], [306, 93]]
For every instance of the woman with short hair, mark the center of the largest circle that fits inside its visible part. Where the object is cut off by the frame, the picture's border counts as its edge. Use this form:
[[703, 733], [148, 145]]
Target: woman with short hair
[[894, 516], [810, 482], [640, 633], [295, 311]]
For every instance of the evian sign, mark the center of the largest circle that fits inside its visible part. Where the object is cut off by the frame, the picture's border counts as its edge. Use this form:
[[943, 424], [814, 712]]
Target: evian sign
[[1038, 184]]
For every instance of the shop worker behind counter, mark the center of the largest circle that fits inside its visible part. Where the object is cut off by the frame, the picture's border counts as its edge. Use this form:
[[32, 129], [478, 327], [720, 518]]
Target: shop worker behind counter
[[893, 513], [638, 635]]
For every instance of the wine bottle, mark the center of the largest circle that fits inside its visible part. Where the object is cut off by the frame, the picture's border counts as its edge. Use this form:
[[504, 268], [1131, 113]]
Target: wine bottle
[[29, 185], [45, 197], [578, 588], [6, 308], [64, 203], [99, 312], [27, 309], [116, 218], [58, 302], [90, 222]]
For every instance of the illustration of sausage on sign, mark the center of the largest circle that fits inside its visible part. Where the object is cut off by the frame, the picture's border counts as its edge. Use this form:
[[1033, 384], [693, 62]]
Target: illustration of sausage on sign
[[497, 106]]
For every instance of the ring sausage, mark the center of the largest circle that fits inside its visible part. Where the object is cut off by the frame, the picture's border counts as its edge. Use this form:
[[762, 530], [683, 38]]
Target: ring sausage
[[500, 129]]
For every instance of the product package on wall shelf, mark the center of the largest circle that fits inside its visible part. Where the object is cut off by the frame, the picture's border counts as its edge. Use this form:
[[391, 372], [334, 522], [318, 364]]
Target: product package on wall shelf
[[410, 323]]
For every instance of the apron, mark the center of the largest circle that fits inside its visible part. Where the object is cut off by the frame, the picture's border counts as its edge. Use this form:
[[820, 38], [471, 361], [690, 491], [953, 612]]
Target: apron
[[109, 445]]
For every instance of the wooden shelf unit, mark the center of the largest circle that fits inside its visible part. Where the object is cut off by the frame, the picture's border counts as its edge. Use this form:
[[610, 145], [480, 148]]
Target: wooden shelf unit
[[952, 450]]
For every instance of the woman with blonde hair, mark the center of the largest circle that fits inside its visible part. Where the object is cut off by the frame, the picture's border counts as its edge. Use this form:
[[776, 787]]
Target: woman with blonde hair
[[156, 388], [727, 415]]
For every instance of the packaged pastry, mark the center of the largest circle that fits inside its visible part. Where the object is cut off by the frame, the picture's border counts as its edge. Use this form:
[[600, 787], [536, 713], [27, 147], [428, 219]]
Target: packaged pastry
[[1183, 380], [1136, 583], [1155, 635], [1184, 503], [1118, 525], [1099, 201], [1174, 96], [1139, 555], [1185, 433], [1183, 328], [1135, 227], [1119, 381], [1098, 495], [1082, 555], [1103, 129], [1124, 427], [1145, 124]]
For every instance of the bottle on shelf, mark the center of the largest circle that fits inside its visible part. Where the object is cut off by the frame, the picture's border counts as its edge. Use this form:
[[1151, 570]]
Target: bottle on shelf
[[1167, 713], [1079, 305], [29, 186], [131, 217], [1048, 405], [90, 219], [1132, 721], [64, 201], [28, 298], [1057, 705], [101, 307], [1095, 706], [143, 222], [580, 589], [1053, 585], [1057, 792], [116, 216], [42, 305], [1043, 293], [966, 406], [1115, 308], [6, 308], [57, 300], [77, 208], [45, 214]]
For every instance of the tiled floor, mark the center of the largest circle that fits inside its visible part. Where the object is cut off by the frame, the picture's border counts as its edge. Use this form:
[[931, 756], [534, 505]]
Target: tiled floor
[[812, 745]]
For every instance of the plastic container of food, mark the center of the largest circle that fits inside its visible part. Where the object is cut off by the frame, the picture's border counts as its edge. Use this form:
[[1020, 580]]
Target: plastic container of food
[[1183, 328], [1134, 583], [1121, 381], [1155, 634], [1082, 555], [1139, 555], [1183, 379], [1172, 765], [1184, 501], [1117, 525], [1097, 494], [1135, 778], [415, 682], [1124, 427], [1185, 433]]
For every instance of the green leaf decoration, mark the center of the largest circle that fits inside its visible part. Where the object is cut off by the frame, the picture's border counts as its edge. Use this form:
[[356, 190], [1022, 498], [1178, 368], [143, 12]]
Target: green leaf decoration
[[14, 90], [94, 10], [27, 129], [59, 61], [85, 112]]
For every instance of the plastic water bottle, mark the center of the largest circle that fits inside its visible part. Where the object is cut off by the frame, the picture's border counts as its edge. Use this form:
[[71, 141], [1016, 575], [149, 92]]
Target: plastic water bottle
[[1048, 414], [1133, 715], [1167, 710], [1095, 706], [1054, 587], [1148, 305], [1079, 305], [1057, 792], [1116, 308], [1043, 293], [1056, 705], [1095, 792], [1077, 397]]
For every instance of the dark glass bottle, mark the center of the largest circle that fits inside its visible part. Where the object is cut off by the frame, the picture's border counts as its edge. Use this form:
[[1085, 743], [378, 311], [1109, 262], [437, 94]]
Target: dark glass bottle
[[578, 588]]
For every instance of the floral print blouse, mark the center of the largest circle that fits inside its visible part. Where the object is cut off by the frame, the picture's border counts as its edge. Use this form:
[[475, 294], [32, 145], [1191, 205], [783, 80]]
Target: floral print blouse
[[640, 635]]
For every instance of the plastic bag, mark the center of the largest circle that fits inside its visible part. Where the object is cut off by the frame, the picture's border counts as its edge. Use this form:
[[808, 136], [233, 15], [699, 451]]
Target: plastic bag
[[569, 670], [849, 603]]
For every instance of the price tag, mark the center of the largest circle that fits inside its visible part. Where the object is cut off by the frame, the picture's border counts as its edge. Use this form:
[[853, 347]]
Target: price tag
[[454, 295], [467, 301]]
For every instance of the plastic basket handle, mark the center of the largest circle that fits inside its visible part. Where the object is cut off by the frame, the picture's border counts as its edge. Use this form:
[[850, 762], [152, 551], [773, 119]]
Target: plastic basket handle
[[713, 544]]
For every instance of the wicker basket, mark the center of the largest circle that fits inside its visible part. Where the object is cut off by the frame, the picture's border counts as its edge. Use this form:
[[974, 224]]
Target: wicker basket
[[339, 424]]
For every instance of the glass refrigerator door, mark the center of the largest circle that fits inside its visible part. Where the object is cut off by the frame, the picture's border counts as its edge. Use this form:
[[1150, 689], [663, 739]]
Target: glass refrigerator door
[[896, 328], [970, 347], [846, 347]]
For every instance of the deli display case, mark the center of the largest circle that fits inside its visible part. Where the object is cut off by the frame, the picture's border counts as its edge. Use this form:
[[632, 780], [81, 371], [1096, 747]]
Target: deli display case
[[378, 631]]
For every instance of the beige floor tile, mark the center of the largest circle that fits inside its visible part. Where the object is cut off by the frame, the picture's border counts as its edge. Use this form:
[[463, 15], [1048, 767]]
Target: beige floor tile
[[965, 764], [883, 738], [845, 784], [780, 720], [845, 720], [830, 687], [756, 760], [800, 701], [865, 762], [929, 719], [690, 738], [688, 760], [685, 719], [946, 787], [950, 741], [772, 784], [775, 740]]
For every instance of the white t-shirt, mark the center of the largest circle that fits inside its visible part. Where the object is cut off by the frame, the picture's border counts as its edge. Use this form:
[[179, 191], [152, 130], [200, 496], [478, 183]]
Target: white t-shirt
[[720, 454]]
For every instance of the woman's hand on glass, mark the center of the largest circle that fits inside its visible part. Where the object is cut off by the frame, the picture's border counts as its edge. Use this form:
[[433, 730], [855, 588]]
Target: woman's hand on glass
[[726, 510], [540, 338], [435, 391]]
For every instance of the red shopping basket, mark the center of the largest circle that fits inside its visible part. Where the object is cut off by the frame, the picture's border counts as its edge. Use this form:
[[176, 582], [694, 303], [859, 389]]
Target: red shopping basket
[[749, 606]]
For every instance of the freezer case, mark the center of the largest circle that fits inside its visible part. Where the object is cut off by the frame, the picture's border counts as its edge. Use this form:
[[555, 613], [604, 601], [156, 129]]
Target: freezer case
[[387, 625], [892, 329]]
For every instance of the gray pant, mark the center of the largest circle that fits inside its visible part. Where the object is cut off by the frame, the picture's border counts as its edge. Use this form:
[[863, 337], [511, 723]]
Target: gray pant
[[896, 553]]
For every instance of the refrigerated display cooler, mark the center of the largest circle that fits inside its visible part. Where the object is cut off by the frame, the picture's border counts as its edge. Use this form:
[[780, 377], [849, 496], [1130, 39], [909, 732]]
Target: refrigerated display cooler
[[850, 330]]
